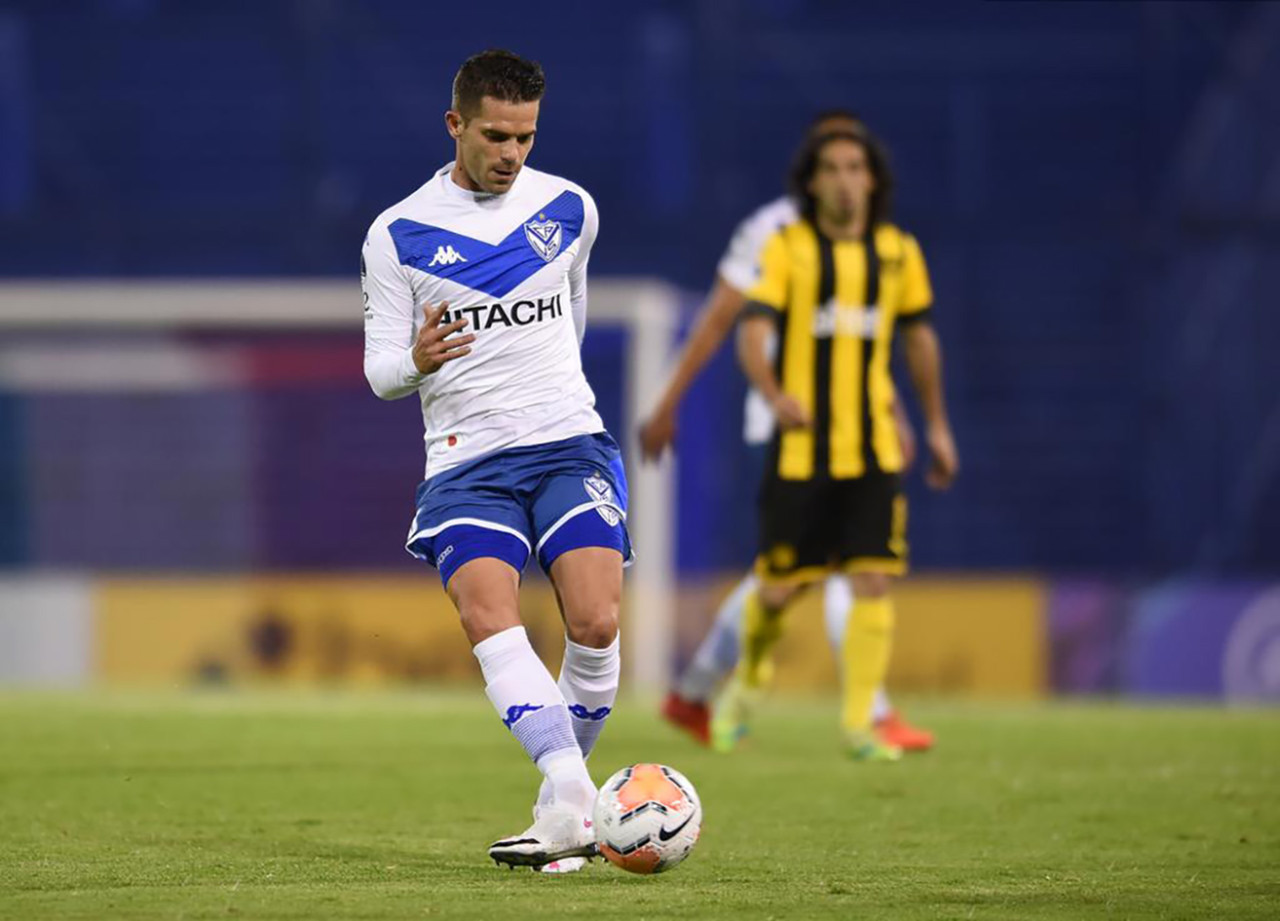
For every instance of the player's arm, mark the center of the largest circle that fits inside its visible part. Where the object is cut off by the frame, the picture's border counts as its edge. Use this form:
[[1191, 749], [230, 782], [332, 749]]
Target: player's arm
[[753, 354], [906, 434], [923, 354], [766, 303], [396, 358], [578, 270], [714, 322]]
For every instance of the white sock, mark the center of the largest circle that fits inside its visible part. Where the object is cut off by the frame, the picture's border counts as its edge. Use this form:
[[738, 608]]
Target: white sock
[[880, 707], [837, 602], [589, 683], [718, 653], [532, 707]]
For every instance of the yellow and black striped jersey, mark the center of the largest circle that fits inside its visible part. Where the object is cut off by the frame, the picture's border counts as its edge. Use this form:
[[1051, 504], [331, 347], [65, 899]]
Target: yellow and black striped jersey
[[838, 303]]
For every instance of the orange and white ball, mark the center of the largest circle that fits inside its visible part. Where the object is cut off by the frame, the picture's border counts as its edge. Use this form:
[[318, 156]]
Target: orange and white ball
[[647, 818]]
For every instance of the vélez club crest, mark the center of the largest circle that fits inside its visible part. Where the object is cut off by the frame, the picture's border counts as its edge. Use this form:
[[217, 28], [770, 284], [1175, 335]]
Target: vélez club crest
[[544, 236]]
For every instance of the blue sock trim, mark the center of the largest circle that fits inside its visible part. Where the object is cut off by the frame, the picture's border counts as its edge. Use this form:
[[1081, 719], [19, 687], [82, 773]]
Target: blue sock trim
[[587, 725], [541, 729]]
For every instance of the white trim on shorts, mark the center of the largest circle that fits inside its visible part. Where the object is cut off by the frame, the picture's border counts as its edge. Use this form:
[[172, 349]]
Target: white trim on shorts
[[578, 510], [477, 522]]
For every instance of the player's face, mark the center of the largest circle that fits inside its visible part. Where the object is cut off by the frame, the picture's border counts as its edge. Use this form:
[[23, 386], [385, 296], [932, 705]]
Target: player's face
[[494, 141], [842, 181]]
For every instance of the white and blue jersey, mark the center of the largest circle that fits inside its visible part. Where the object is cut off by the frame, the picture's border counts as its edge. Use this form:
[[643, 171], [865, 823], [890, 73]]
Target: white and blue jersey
[[510, 425]]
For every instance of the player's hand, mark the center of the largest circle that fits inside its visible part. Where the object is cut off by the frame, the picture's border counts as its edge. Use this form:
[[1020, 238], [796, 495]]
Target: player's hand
[[432, 348], [789, 413], [906, 439], [944, 462], [657, 434]]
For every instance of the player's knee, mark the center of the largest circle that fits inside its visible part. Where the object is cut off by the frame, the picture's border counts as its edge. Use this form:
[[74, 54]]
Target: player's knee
[[871, 584], [593, 625], [482, 619], [777, 596]]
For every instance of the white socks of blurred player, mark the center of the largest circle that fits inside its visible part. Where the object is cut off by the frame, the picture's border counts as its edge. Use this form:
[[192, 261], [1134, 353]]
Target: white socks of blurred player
[[533, 708], [589, 683], [718, 654]]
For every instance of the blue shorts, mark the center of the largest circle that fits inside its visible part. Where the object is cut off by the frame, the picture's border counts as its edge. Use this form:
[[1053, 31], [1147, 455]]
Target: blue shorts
[[545, 500]]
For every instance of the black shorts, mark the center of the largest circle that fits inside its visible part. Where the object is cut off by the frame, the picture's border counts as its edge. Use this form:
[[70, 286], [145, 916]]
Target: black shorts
[[810, 527]]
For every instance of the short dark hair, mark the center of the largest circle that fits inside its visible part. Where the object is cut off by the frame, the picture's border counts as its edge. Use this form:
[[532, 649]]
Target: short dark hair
[[500, 74], [806, 163]]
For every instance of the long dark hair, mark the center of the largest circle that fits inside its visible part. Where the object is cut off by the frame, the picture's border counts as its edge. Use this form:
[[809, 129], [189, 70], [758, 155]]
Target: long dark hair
[[805, 164]]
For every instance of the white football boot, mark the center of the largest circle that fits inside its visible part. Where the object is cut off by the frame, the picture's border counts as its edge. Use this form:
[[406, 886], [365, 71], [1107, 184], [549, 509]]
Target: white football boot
[[554, 836]]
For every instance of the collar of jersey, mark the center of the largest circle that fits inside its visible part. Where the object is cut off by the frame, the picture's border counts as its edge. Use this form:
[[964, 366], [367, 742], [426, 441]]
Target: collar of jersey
[[452, 190], [495, 269]]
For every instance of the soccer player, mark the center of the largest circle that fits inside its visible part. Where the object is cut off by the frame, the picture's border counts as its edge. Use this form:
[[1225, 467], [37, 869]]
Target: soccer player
[[835, 286], [687, 704], [475, 290]]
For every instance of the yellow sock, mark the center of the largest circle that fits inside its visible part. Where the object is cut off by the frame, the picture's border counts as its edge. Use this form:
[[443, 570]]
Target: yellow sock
[[867, 641], [761, 629]]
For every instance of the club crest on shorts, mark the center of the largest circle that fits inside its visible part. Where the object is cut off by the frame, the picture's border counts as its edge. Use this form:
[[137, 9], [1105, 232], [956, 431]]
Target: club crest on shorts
[[544, 236], [599, 490], [782, 557]]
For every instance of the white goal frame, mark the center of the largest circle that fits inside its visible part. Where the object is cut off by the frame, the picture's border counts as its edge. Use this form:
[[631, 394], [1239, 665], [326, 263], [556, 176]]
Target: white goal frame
[[646, 308]]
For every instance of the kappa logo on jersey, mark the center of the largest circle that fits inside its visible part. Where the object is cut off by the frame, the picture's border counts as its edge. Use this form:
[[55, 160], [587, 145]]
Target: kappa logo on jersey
[[544, 236], [595, 716], [599, 490], [446, 255]]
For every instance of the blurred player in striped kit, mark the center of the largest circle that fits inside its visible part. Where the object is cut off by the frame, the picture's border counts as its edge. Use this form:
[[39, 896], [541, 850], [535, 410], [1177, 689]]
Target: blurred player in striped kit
[[837, 287], [687, 706]]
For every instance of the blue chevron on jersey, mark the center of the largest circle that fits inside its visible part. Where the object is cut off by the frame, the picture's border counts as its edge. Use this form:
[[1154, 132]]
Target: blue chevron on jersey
[[495, 270]]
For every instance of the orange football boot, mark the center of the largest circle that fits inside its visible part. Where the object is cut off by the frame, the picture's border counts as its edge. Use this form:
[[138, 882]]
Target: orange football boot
[[692, 716], [894, 730]]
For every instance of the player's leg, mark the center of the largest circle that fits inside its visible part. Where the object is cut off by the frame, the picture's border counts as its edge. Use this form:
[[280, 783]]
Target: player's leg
[[478, 541], [873, 546], [579, 514], [588, 583], [867, 645], [890, 725], [530, 705], [718, 653], [837, 599], [762, 623], [792, 552], [715, 658]]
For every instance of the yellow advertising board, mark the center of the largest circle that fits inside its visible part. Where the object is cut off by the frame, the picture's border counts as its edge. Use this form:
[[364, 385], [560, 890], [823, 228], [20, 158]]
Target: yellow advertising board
[[314, 628], [967, 636]]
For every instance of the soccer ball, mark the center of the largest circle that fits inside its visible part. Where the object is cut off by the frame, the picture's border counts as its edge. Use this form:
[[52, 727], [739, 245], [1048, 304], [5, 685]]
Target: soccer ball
[[647, 818]]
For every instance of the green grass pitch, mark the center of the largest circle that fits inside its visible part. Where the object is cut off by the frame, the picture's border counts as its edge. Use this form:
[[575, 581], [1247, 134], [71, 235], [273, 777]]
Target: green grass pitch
[[371, 806]]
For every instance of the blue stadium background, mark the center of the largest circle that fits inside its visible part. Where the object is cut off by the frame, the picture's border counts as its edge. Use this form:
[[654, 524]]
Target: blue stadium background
[[1096, 186]]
